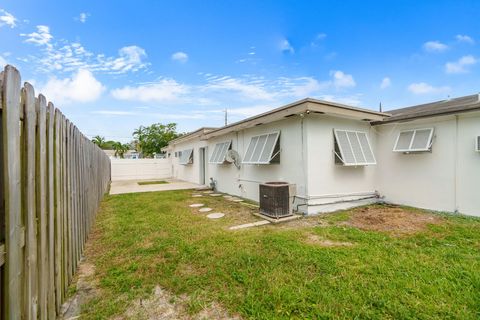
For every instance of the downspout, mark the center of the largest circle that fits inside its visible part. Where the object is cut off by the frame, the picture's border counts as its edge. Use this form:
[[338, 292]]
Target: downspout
[[304, 156], [456, 167]]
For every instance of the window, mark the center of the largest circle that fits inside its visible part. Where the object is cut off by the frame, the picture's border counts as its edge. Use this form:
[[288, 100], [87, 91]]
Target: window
[[417, 140], [263, 149], [220, 151], [352, 148], [186, 156]]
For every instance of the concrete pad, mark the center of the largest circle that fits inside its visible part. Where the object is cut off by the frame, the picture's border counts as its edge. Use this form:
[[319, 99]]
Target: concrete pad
[[196, 195], [196, 205], [205, 209], [237, 200], [249, 225], [216, 215], [215, 194], [132, 186]]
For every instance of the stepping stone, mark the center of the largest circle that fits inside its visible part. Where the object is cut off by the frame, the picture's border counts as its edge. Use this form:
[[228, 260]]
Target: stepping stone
[[215, 194], [237, 200], [207, 192], [216, 215], [249, 225], [196, 195], [205, 209], [227, 196], [196, 205]]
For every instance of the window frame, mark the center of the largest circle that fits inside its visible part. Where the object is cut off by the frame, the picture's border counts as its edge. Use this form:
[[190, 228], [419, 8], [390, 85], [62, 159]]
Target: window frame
[[409, 150], [190, 158], [271, 157], [341, 151]]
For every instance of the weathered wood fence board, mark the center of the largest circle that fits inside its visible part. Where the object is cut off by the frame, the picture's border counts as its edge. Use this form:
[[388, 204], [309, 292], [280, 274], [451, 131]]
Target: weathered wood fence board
[[51, 183]]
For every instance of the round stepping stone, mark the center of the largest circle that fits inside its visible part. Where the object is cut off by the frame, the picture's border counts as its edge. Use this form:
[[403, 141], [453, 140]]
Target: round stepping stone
[[215, 194], [205, 209], [237, 200], [216, 215], [207, 192], [196, 195], [196, 205]]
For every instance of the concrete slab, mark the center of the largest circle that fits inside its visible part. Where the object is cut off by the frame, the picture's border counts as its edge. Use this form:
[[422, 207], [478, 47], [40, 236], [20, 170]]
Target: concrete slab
[[216, 215], [131, 186], [196, 205], [250, 225], [205, 209]]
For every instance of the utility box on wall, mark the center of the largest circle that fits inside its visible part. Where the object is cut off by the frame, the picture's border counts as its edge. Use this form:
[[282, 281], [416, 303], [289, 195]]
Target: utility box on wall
[[276, 199]]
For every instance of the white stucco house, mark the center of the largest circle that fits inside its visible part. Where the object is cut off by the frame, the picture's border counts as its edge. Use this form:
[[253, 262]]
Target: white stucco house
[[340, 156]]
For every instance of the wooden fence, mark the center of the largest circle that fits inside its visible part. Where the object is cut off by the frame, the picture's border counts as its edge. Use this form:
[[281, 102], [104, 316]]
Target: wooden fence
[[52, 182]]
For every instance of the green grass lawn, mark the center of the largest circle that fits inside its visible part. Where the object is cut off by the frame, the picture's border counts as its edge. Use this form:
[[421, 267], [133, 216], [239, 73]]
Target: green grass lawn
[[143, 183], [273, 272]]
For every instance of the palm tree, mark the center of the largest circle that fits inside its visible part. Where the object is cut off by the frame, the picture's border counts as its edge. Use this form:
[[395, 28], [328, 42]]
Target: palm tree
[[99, 141], [120, 149]]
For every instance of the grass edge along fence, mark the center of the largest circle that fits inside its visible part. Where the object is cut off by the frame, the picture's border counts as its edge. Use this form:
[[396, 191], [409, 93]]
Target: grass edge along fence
[[52, 182]]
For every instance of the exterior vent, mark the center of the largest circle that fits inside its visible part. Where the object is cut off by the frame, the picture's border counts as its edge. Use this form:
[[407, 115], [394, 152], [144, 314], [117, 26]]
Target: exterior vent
[[477, 144], [275, 199]]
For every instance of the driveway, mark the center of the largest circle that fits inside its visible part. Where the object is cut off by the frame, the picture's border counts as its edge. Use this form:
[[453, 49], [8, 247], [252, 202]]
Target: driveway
[[131, 186]]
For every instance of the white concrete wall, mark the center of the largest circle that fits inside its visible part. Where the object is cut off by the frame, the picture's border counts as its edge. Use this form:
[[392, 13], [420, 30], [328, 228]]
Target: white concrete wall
[[447, 179], [330, 183], [189, 172], [245, 181], [140, 169]]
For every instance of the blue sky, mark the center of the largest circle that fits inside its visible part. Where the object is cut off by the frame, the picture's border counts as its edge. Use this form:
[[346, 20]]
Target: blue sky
[[112, 66]]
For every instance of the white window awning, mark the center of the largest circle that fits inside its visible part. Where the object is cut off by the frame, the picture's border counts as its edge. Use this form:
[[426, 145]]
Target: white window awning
[[186, 157], [353, 148], [220, 152], [416, 140], [262, 149]]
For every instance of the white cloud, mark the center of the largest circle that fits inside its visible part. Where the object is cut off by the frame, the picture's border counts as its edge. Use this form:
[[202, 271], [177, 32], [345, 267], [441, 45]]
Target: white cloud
[[386, 82], [82, 17], [251, 88], [65, 56], [425, 88], [41, 37], [165, 90], [180, 56], [435, 46], [464, 38], [7, 19], [318, 39], [342, 80], [461, 65], [81, 87], [3, 62], [285, 46]]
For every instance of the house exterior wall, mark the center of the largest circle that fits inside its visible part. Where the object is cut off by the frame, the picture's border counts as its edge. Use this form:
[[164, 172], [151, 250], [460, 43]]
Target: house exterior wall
[[445, 179], [189, 172], [245, 181], [332, 186]]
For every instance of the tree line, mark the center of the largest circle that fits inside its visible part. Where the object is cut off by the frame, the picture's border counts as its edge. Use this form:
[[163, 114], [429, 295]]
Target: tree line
[[147, 140]]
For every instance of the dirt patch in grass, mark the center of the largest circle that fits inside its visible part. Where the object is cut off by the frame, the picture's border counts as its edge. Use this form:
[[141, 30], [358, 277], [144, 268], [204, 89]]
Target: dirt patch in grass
[[319, 241], [85, 290], [162, 305], [393, 219]]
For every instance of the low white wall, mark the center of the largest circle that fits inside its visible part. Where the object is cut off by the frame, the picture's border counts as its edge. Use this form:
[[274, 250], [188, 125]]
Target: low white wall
[[141, 169]]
